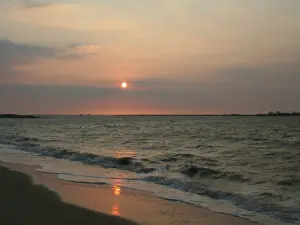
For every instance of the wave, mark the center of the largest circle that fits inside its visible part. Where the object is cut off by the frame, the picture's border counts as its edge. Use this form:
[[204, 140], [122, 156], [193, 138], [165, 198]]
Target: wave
[[179, 157], [267, 142], [289, 182], [125, 163], [192, 171], [32, 145], [128, 163], [240, 139], [271, 195], [235, 177], [284, 214], [176, 157]]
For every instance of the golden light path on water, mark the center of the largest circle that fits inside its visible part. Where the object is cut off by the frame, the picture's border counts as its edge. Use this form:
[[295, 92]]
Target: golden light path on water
[[116, 190]]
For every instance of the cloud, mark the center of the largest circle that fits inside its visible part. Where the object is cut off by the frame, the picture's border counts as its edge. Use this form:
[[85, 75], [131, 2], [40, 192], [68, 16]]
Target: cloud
[[78, 51], [33, 3], [14, 54], [284, 77]]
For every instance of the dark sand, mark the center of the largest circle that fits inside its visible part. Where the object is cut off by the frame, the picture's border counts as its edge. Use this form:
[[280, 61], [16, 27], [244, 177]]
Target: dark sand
[[22, 202]]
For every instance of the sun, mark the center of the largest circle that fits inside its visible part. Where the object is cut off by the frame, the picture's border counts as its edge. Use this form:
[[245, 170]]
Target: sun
[[124, 85]]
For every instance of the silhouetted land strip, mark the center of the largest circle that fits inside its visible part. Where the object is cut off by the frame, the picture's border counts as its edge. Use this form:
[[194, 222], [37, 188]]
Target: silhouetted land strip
[[22, 202], [270, 114], [16, 116], [267, 114]]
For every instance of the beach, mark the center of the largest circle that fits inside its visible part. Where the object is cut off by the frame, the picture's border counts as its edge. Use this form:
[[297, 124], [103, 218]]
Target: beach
[[150, 112], [22, 202], [162, 170], [32, 197]]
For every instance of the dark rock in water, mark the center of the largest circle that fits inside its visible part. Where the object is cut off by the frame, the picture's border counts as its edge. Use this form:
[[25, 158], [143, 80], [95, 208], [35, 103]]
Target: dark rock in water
[[193, 169], [15, 116], [190, 171], [124, 161]]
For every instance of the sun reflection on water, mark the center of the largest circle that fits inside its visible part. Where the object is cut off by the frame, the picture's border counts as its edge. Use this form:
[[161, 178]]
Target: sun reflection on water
[[116, 190], [115, 209]]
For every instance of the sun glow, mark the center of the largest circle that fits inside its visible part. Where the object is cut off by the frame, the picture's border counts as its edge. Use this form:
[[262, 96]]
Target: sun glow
[[124, 85], [116, 190]]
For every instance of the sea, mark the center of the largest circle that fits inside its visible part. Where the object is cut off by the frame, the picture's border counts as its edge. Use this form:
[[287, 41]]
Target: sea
[[247, 167]]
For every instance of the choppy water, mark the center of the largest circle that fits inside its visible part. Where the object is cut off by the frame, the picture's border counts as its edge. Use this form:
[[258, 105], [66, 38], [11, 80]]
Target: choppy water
[[245, 166]]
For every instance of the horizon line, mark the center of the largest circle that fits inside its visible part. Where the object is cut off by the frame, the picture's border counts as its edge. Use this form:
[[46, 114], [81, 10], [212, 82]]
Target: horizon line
[[181, 114]]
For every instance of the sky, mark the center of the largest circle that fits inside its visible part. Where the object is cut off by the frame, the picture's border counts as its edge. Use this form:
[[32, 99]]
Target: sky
[[178, 57]]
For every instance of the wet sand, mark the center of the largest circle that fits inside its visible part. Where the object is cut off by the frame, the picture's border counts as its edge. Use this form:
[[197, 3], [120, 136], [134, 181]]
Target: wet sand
[[25, 201], [22, 202]]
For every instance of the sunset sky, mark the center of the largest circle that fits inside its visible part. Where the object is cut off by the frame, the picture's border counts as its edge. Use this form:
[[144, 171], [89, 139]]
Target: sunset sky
[[177, 56]]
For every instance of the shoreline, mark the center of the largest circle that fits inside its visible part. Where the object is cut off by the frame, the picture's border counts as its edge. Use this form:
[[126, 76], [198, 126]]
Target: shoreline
[[23, 202], [133, 205]]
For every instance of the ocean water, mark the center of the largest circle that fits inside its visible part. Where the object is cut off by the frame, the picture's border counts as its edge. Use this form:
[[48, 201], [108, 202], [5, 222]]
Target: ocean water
[[243, 166]]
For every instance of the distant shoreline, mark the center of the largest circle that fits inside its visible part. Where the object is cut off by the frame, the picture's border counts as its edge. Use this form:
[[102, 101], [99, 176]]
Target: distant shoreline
[[211, 115], [270, 114], [16, 116]]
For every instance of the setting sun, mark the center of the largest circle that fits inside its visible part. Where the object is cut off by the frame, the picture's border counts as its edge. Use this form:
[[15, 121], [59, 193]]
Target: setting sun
[[124, 85]]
